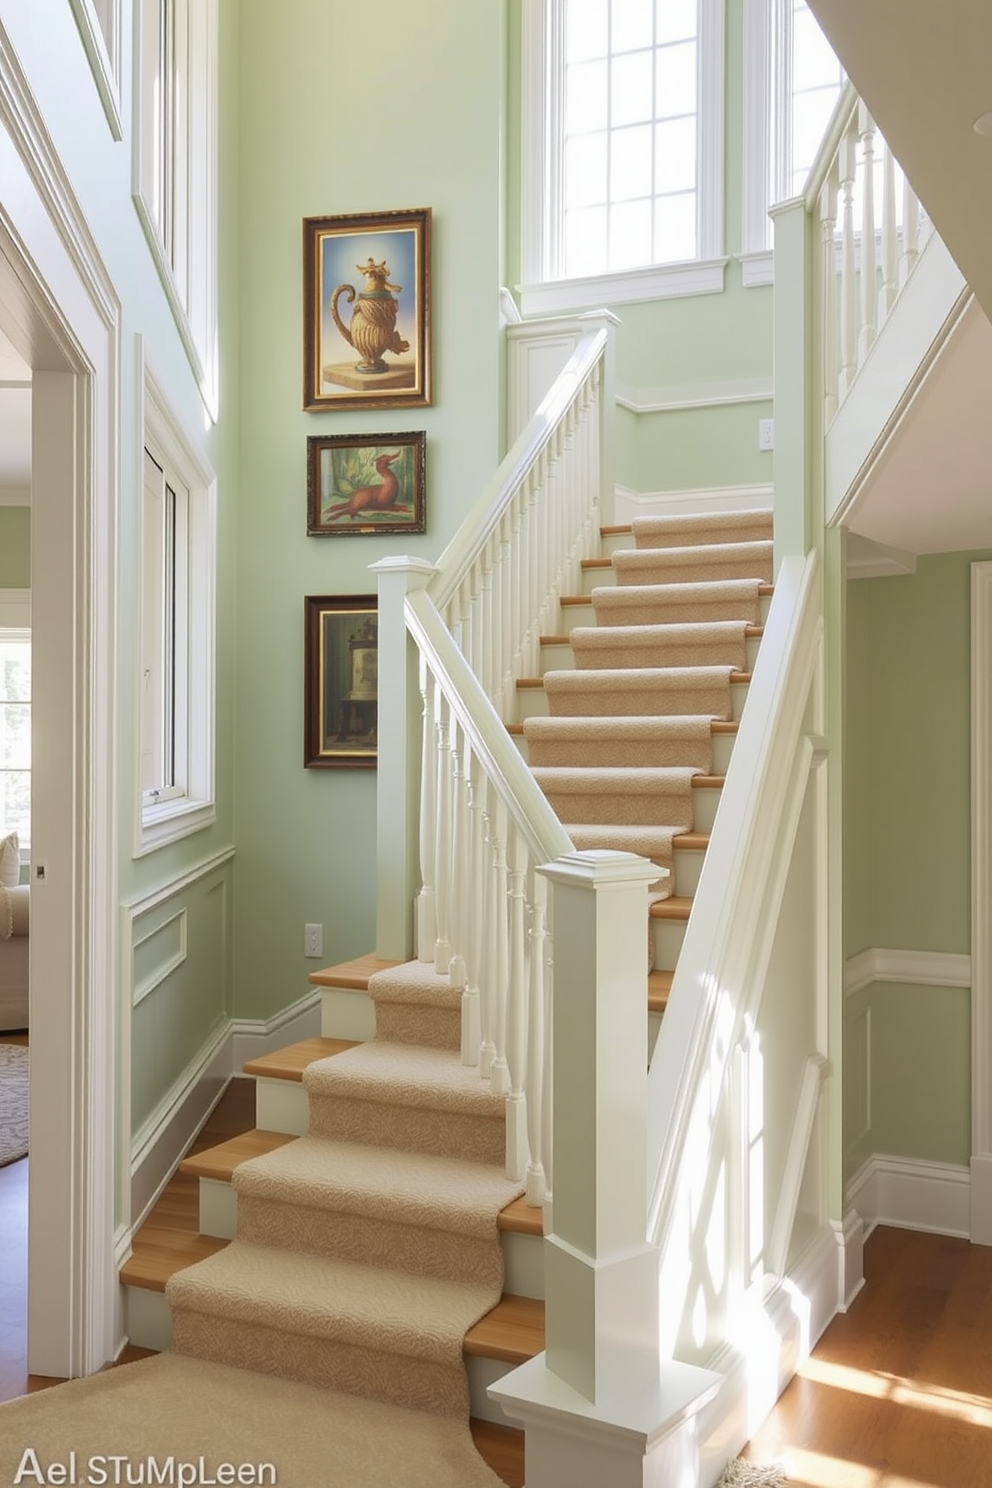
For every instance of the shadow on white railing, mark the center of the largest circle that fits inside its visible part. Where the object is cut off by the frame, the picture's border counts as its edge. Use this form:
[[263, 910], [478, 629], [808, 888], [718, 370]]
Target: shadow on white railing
[[873, 230]]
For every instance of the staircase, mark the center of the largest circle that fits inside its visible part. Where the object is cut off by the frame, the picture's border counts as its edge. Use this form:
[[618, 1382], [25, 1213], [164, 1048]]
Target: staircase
[[628, 731], [630, 728]]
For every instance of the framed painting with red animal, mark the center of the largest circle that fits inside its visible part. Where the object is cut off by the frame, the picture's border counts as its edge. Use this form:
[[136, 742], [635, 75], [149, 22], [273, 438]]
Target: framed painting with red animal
[[366, 310], [365, 483]]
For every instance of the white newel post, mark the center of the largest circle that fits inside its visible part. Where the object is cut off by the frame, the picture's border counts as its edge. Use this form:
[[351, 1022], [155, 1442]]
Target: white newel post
[[400, 730], [601, 1275], [599, 1408]]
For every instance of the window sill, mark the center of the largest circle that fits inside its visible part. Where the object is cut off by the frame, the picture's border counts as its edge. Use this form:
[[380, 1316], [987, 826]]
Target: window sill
[[668, 281], [160, 825]]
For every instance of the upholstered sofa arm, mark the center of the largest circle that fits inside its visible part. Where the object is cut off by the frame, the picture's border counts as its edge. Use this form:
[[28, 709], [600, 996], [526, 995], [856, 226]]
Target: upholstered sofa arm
[[15, 909]]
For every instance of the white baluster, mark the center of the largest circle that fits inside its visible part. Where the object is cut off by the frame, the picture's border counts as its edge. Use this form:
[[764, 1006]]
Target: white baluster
[[486, 627], [848, 274], [535, 1082], [503, 633], [910, 232], [460, 886], [517, 1011], [489, 908], [869, 286], [890, 245], [442, 843], [471, 1010], [499, 1073], [547, 1095], [426, 921], [828, 224]]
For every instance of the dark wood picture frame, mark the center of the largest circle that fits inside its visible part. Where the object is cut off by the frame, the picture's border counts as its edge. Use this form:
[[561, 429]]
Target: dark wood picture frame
[[341, 710], [366, 310], [365, 483]]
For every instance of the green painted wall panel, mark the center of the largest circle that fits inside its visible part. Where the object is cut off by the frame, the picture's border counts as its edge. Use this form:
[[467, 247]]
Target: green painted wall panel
[[702, 447], [15, 547], [341, 115], [920, 1072]]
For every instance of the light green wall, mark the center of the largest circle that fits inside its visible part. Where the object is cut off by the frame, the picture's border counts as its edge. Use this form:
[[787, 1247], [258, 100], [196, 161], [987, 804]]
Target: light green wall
[[907, 882], [908, 810], [342, 112], [15, 547]]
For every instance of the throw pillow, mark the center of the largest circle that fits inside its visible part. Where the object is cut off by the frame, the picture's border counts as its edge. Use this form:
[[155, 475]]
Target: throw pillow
[[10, 861]]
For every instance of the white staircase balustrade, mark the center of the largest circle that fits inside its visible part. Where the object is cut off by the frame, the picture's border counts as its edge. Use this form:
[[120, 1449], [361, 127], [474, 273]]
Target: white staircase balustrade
[[872, 233]]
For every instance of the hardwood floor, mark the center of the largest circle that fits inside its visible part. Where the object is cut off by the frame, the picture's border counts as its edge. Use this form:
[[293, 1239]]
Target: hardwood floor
[[898, 1392]]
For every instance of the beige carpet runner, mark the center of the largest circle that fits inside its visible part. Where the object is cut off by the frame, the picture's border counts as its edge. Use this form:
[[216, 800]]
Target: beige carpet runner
[[630, 725], [366, 1249]]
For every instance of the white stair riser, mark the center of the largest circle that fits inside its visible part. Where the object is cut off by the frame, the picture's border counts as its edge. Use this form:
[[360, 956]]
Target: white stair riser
[[668, 936], [688, 864], [597, 578], [654, 1027], [532, 702], [569, 615], [345, 1014], [723, 745], [704, 804], [149, 1325], [558, 656], [281, 1106]]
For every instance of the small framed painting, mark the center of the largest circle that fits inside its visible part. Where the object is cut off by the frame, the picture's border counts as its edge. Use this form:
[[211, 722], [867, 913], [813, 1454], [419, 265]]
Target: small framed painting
[[365, 483], [366, 310], [341, 681]]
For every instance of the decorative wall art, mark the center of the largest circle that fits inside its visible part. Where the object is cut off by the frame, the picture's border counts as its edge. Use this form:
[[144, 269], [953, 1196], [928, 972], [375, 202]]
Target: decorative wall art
[[366, 310], [341, 682], [363, 483]]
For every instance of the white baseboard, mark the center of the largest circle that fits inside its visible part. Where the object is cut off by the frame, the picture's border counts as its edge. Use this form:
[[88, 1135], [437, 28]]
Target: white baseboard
[[783, 1319], [166, 1135], [629, 504], [912, 1195]]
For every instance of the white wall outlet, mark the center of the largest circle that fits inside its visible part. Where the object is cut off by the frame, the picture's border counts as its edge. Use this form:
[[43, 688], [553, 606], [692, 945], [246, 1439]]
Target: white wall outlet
[[766, 434], [313, 936]]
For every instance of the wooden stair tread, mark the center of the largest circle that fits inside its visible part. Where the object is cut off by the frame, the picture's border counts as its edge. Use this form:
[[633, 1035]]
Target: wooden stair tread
[[717, 726], [659, 987], [708, 782], [521, 1218], [692, 841], [512, 1332], [736, 679], [220, 1162], [616, 531], [677, 907], [158, 1254], [764, 590], [353, 975], [289, 1063]]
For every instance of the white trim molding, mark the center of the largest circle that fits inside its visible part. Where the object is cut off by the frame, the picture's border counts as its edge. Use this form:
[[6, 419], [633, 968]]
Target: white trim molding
[[912, 1195], [675, 398], [700, 276], [909, 968], [100, 30], [981, 895], [629, 504]]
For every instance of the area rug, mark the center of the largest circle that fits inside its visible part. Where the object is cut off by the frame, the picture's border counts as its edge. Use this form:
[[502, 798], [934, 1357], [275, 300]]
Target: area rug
[[742, 1474], [209, 1419], [13, 1103]]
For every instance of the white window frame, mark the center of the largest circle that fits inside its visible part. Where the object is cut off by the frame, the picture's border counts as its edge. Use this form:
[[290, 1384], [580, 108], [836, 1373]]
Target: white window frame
[[174, 168], [767, 129], [15, 625], [542, 80], [190, 805], [99, 23]]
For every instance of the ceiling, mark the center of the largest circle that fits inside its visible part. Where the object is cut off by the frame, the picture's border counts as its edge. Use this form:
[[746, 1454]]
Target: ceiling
[[925, 71]]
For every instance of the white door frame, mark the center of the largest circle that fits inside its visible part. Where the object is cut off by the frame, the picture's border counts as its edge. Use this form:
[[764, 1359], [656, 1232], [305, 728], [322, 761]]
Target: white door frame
[[981, 903], [61, 313]]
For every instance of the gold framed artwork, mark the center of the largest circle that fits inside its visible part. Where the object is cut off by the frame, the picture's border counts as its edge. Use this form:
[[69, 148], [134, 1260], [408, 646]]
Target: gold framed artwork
[[341, 681], [365, 483], [366, 310]]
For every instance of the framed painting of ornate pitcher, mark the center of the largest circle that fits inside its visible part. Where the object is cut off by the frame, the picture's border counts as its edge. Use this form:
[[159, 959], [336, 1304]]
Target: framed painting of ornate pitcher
[[366, 310]]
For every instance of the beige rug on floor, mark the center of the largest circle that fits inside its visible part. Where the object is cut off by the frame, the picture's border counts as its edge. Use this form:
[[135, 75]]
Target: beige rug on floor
[[13, 1103], [182, 1408]]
